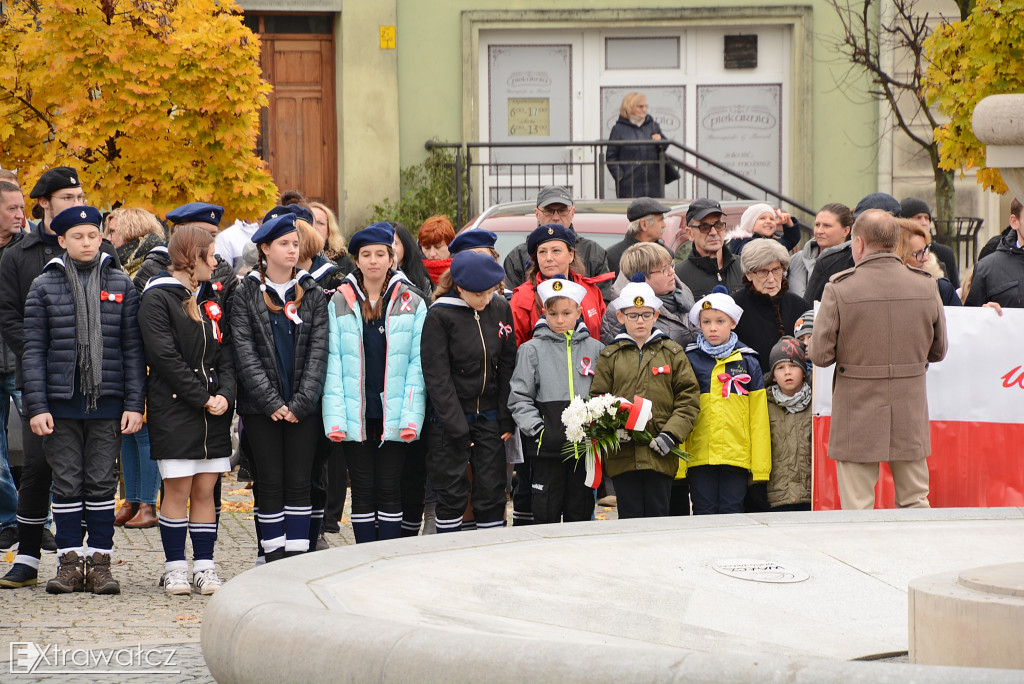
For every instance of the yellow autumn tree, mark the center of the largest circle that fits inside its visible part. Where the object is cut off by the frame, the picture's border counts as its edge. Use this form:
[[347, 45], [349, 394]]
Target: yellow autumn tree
[[155, 102]]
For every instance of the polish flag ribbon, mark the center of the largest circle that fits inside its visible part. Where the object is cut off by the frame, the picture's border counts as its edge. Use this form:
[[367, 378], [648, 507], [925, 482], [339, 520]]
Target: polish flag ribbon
[[292, 313], [111, 297], [217, 286], [593, 471], [732, 383], [504, 330], [640, 411], [586, 366], [406, 302], [661, 370], [214, 313]]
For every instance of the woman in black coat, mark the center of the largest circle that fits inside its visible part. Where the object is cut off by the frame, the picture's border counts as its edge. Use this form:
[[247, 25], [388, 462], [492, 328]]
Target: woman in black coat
[[635, 168], [190, 395]]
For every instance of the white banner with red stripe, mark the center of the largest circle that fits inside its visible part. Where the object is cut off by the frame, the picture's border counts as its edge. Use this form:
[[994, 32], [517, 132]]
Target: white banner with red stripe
[[976, 409]]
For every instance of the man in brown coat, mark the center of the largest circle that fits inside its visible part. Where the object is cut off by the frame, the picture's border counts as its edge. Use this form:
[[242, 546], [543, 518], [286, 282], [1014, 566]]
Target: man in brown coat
[[881, 322]]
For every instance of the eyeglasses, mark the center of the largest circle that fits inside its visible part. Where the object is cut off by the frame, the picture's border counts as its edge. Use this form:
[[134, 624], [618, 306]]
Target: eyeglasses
[[763, 273], [646, 315], [921, 255], [547, 211], [664, 270], [706, 228], [70, 198]]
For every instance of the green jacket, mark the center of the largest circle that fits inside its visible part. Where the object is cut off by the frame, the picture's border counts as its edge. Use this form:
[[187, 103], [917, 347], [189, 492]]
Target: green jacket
[[625, 370], [790, 480]]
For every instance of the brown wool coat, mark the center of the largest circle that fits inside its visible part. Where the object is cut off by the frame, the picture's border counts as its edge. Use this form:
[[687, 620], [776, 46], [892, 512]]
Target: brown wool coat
[[881, 323]]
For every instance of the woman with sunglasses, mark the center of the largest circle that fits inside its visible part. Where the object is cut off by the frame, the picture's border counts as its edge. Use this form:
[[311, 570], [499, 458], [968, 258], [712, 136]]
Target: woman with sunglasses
[[915, 249]]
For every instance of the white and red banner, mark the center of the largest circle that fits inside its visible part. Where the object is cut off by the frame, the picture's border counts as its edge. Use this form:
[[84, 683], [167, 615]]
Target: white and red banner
[[976, 407]]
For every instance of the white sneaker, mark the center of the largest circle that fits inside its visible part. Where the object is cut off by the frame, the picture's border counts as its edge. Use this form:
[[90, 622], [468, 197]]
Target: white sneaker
[[206, 581], [175, 583]]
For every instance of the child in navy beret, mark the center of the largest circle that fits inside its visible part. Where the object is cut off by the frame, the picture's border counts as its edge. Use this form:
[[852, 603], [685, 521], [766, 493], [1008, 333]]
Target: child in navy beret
[[469, 352]]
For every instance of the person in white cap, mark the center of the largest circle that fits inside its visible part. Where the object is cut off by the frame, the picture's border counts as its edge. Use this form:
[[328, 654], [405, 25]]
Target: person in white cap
[[731, 439], [644, 362], [552, 368]]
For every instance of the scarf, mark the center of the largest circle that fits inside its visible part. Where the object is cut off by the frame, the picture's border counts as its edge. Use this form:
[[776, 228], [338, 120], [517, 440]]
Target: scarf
[[88, 333], [132, 254], [722, 350], [794, 404], [775, 301], [436, 268]]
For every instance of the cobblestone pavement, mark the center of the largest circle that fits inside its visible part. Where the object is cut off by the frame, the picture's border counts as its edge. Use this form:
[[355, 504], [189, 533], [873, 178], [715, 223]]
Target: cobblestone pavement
[[141, 615]]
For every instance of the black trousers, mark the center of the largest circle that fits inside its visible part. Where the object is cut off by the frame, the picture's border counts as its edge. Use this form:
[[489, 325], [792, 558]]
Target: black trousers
[[82, 455], [283, 453], [337, 486], [33, 492], [559, 491], [643, 494], [414, 486], [375, 472], [446, 466]]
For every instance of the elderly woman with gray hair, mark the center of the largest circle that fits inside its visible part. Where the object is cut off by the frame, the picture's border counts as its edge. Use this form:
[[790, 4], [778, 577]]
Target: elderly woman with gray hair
[[769, 309]]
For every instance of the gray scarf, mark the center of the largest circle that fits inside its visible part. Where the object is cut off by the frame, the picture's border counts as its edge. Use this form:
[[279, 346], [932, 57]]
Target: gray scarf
[[796, 403], [88, 332]]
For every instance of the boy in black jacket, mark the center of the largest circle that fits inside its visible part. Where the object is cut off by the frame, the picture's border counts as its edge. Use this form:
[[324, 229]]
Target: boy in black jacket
[[85, 383]]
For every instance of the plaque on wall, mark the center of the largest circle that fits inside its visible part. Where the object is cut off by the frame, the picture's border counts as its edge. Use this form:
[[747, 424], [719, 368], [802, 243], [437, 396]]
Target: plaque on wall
[[740, 126], [530, 100]]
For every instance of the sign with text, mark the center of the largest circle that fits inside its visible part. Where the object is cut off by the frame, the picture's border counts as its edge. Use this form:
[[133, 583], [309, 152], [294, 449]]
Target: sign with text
[[975, 402], [740, 126], [529, 116]]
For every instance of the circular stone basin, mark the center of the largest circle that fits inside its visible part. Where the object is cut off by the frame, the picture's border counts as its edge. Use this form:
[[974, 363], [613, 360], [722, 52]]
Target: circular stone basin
[[639, 600]]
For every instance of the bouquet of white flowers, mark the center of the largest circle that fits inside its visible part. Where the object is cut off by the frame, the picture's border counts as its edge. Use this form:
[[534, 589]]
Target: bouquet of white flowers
[[596, 427]]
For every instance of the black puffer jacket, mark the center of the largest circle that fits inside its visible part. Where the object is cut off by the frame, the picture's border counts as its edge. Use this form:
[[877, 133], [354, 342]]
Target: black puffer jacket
[[468, 359], [21, 263], [188, 364], [827, 265], [635, 167], [50, 359], [999, 277], [158, 260], [259, 387], [327, 274], [759, 325]]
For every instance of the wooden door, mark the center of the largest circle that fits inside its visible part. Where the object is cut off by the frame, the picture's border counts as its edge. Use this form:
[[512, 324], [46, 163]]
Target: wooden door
[[300, 126]]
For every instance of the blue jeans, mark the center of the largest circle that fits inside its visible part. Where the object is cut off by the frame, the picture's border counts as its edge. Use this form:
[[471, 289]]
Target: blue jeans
[[141, 475], [8, 492]]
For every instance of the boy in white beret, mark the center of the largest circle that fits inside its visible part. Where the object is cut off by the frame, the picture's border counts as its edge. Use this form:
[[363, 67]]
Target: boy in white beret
[[731, 440], [552, 367], [643, 361]]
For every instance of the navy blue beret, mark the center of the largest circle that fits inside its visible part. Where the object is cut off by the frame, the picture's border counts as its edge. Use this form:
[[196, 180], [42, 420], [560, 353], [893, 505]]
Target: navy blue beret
[[475, 272], [198, 212], [471, 239], [275, 228], [552, 231], [374, 234], [76, 216], [55, 179], [297, 209]]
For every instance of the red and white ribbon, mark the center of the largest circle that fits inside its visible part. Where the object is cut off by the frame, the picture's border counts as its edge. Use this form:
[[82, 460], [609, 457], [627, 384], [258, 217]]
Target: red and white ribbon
[[732, 383], [214, 313], [111, 297], [292, 313], [217, 286], [586, 366], [661, 370], [504, 330], [593, 471], [406, 302], [640, 411]]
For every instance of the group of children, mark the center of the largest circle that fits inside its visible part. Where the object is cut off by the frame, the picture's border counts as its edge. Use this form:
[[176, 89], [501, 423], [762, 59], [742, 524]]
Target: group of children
[[371, 366]]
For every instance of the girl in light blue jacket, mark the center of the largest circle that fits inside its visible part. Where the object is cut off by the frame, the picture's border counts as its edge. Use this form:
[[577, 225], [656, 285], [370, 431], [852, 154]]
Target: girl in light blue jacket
[[374, 397]]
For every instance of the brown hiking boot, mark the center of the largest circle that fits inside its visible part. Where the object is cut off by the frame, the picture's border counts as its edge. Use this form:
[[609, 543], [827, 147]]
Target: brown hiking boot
[[70, 575], [98, 579]]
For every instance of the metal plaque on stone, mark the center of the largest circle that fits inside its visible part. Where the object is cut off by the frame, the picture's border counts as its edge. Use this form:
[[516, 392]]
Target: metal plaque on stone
[[760, 570]]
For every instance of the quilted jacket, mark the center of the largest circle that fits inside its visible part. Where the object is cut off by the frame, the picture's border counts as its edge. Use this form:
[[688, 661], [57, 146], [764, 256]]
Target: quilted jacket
[[259, 387], [404, 395], [50, 361]]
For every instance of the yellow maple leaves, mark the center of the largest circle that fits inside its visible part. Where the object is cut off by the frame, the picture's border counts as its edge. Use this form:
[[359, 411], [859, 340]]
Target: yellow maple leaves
[[156, 104]]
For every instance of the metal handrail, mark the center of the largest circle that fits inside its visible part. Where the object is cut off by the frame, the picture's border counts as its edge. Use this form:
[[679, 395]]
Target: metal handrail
[[463, 156]]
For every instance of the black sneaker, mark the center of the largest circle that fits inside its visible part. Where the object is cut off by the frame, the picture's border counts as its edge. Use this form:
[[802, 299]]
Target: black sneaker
[[321, 543], [8, 538], [47, 543], [20, 575], [243, 474]]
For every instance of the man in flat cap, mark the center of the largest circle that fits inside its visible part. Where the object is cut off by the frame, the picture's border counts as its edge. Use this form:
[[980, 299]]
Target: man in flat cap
[[646, 218], [56, 190], [554, 205]]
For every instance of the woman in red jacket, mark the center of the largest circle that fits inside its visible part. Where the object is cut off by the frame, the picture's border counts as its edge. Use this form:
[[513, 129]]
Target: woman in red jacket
[[552, 250]]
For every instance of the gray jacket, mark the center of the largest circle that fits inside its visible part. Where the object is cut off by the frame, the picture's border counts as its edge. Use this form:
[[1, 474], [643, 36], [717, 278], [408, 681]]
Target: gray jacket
[[550, 370]]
